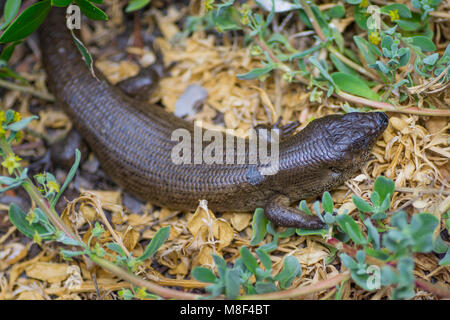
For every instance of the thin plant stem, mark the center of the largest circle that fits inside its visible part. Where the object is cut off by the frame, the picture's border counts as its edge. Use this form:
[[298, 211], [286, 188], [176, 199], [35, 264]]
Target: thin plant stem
[[26, 89], [300, 291]]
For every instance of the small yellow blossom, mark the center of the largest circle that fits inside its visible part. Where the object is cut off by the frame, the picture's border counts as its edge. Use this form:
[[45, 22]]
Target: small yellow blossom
[[37, 238], [141, 293], [255, 51], [19, 135], [52, 186], [31, 216], [245, 11], [374, 37], [364, 4], [209, 5], [16, 116], [394, 15], [11, 162]]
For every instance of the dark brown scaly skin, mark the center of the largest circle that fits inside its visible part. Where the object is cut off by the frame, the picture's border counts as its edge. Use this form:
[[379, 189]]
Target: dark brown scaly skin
[[133, 144]]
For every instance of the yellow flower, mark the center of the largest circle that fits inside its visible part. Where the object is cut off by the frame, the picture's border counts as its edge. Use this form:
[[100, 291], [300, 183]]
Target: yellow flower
[[37, 238], [394, 15], [364, 4], [2, 116], [209, 5], [245, 11], [374, 38], [31, 216], [141, 293], [19, 135], [16, 116], [52, 186], [11, 162]]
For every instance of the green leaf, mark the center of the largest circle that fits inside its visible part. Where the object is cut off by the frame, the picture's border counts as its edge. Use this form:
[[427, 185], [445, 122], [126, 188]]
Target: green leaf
[[249, 260], [408, 25], [134, 5], [227, 19], [439, 246], [403, 11], [69, 254], [303, 206], [20, 125], [291, 270], [374, 236], [116, 248], [351, 228], [27, 22], [313, 60], [336, 11], [69, 177], [327, 202], [60, 236], [431, 59], [265, 287], [158, 240], [91, 11], [98, 230], [232, 283], [362, 205], [220, 264], [84, 52], [367, 50], [380, 254], [388, 276], [384, 187], [8, 180], [255, 73], [18, 218], [405, 287], [423, 43], [354, 84], [10, 10], [354, 2], [204, 275], [308, 232], [61, 3], [342, 67], [348, 261], [361, 17], [445, 261], [421, 229], [8, 51], [265, 258], [387, 42], [259, 224]]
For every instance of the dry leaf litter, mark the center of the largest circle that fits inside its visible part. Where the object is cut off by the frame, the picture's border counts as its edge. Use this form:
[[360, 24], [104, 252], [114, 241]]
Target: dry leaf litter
[[414, 152]]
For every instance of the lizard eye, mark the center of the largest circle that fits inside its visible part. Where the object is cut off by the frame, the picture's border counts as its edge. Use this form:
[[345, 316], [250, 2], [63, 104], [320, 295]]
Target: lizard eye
[[335, 171]]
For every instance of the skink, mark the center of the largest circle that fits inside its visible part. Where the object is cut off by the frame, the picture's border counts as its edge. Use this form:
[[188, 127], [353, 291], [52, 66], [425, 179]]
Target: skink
[[133, 142]]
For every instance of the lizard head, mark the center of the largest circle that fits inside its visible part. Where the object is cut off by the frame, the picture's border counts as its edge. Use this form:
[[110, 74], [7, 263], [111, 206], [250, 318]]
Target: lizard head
[[349, 138]]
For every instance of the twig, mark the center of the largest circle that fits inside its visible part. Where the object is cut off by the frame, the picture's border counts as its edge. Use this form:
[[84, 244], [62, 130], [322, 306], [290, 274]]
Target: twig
[[300, 291], [352, 64], [391, 108], [30, 90], [141, 283], [423, 191], [313, 20], [433, 288]]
